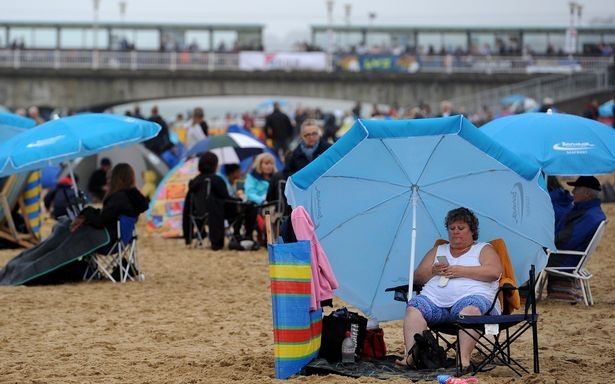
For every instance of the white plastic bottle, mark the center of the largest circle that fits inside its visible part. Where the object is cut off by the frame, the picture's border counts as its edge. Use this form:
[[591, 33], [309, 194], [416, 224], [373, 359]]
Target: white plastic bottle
[[348, 349]]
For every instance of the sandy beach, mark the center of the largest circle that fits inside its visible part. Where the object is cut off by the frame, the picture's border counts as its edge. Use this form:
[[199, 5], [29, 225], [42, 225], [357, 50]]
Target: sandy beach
[[205, 317]]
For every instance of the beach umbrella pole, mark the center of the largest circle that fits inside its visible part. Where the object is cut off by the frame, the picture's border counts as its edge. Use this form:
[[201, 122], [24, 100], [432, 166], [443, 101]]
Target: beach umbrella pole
[[415, 198], [79, 201], [72, 177]]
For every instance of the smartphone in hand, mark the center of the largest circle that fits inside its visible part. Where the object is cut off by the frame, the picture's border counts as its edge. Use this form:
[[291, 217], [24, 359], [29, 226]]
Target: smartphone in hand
[[443, 279], [442, 259]]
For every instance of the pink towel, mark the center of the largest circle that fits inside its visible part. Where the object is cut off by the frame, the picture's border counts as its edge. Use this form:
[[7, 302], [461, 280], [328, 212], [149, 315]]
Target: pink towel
[[323, 278]]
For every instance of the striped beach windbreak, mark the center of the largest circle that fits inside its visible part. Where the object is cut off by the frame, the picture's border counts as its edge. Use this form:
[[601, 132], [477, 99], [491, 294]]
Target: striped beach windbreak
[[296, 329]]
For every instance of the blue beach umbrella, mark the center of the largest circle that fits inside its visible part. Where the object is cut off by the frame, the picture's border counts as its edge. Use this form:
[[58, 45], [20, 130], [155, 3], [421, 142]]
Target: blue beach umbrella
[[67, 138], [560, 144], [12, 124], [606, 109], [378, 198]]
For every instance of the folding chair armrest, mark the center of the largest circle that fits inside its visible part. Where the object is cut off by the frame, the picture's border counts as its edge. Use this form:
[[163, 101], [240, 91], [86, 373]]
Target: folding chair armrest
[[401, 291], [566, 252], [507, 290]]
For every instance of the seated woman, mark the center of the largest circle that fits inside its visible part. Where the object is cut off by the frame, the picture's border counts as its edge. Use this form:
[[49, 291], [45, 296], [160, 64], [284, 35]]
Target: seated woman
[[257, 181], [56, 257], [463, 282], [122, 199], [219, 197]]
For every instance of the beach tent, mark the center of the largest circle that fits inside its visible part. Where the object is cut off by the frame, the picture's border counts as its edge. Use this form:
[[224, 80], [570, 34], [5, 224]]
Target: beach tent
[[20, 193], [139, 157], [164, 216]]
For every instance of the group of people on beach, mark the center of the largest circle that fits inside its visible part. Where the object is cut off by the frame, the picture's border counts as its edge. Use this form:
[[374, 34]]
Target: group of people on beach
[[469, 269]]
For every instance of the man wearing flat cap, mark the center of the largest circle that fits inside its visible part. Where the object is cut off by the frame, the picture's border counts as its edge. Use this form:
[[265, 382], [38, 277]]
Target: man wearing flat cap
[[575, 230]]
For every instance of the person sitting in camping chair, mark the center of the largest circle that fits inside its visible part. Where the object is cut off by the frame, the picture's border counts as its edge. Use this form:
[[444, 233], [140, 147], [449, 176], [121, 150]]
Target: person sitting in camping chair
[[93, 230], [221, 205], [239, 213], [122, 198], [574, 231], [460, 278]]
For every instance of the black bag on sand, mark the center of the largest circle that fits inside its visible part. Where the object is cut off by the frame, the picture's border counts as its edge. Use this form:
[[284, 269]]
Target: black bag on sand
[[334, 327], [427, 353]]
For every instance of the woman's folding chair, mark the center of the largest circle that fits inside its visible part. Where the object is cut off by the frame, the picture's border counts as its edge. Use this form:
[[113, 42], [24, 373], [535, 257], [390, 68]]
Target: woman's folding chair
[[198, 214], [496, 333], [277, 209], [121, 262]]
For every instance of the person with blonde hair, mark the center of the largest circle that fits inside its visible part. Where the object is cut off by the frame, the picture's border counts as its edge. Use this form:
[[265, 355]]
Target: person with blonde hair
[[257, 181]]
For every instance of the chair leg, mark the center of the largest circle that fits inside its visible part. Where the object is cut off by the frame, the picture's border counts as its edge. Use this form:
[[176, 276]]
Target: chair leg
[[583, 291], [535, 346], [587, 293], [540, 284]]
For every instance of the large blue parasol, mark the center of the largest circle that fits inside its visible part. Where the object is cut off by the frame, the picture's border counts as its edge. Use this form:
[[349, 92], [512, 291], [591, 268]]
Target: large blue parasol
[[378, 198], [560, 144], [12, 124], [64, 139]]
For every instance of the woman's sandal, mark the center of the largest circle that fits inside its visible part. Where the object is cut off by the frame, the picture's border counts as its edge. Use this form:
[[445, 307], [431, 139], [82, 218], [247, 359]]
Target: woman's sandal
[[405, 361]]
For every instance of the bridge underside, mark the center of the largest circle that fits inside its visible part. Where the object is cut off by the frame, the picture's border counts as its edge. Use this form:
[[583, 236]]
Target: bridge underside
[[95, 90]]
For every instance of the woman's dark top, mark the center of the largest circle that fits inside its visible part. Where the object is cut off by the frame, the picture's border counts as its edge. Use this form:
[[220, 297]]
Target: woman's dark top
[[128, 202]]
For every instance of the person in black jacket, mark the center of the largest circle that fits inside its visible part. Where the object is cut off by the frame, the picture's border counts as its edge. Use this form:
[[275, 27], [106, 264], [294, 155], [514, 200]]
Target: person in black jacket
[[60, 198], [160, 142], [97, 185], [122, 198], [279, 129], [217, 201], [59, 258], [311, 146]]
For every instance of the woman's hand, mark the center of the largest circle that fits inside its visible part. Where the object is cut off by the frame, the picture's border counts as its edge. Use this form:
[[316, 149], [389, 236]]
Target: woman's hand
[[451, 271], [439, 269], [77, 222]]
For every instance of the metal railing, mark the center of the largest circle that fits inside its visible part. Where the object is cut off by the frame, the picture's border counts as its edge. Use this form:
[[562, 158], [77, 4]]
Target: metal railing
[[118, 60], [215, 61], [557, 87]]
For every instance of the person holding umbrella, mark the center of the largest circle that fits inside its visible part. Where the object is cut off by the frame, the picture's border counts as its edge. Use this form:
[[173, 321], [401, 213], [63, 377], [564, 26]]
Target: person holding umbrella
[[460, 278]]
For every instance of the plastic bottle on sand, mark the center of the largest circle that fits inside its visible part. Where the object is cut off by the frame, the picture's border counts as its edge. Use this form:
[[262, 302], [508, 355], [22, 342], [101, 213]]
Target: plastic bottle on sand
[[348, 349]]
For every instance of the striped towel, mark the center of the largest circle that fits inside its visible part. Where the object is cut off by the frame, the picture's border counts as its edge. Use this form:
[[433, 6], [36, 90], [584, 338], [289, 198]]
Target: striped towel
[[296, 329]]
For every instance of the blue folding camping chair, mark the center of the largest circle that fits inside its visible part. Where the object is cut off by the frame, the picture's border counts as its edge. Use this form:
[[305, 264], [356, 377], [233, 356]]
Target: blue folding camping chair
[[120, 263]]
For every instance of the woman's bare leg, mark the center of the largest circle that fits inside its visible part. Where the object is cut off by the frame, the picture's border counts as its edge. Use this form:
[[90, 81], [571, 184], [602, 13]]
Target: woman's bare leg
[[413, 323], [467, 340]]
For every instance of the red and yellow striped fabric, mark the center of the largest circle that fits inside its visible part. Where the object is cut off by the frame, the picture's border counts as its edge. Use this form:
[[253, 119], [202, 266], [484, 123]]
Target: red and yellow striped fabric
[[296, 329]]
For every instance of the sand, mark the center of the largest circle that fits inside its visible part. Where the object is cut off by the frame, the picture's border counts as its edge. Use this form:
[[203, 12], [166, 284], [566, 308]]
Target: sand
[[205, 317]]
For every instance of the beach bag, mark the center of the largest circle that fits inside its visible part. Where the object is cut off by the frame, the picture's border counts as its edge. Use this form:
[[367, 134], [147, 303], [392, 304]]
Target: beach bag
[[373, 345], [334, 327], [427, 353]]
